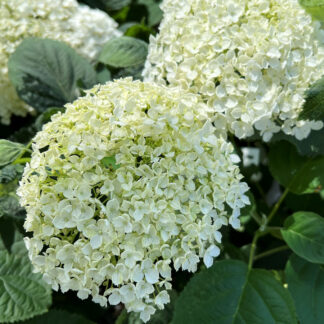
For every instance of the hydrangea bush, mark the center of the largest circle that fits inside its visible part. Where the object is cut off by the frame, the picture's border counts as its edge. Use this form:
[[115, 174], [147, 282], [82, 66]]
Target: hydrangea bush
[[128, 183], [84, 29], [250, 60], [149, 200]]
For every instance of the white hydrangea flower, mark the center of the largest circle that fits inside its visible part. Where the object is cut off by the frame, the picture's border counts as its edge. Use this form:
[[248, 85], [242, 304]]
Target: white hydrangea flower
[[159, 188], [250, 60], [81, 27]]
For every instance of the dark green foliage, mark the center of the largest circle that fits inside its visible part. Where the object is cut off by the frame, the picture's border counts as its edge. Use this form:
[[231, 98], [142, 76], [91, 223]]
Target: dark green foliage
[[10, 172], [304, 234], [46, 73], [9, 151], [314, 105], [306, 285], [312, 146], [124, 52], [297, 173], [231, 293], [56, 316]]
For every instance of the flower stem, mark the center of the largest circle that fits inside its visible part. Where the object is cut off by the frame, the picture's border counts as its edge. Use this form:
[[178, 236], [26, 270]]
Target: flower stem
[[260, 233], [277, 205], [22, 160], [253, 248]]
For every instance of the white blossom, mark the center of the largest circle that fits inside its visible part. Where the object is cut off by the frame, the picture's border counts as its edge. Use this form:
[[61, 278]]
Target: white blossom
[[251, 61], [123, 227], [84, 29]]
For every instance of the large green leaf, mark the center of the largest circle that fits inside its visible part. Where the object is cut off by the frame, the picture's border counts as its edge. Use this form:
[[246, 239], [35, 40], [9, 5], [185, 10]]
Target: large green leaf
[[124, 52], [306, 285], [314, 7], [46, 73], [9, 151], [59, 317], [23, 294], [314, 104], [304, 234], [230, 293], [300, 174], [311, 146]]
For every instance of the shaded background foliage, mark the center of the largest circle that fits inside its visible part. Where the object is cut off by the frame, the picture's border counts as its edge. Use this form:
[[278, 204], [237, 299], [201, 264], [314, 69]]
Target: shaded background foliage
[[270, 271]]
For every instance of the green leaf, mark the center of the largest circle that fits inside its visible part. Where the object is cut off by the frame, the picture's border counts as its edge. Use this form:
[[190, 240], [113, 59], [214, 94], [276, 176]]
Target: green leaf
[[11, 172], [45, 73], [314, 7], [124, 52], [23, 294], [10, 207], [229, 293], [155, 13], [103, 74], [59, 317], [313, 108], [304, 234], [311, 146], [300, 174], [306, 285], [9, 151]]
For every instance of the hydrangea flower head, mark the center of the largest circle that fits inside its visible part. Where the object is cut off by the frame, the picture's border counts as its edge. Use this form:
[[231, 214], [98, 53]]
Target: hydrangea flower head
[[128, 183], [250, 60], [84, 29]]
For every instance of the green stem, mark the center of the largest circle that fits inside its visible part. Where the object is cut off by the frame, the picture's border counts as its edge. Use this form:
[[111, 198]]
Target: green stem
[[253, 248], [256, 237], [277, 205], [270, 252], [259, 233], [22, 160]]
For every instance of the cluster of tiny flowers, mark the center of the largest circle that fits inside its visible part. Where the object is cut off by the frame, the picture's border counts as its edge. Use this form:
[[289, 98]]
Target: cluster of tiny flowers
[[128, 183], [84, 29], [250, 60]]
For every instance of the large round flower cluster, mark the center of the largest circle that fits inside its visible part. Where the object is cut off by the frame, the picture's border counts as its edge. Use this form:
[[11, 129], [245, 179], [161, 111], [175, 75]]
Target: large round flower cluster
[[84, 29], [128, 182], [250, 60]]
